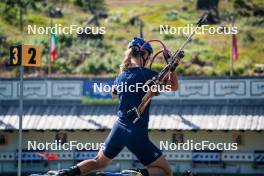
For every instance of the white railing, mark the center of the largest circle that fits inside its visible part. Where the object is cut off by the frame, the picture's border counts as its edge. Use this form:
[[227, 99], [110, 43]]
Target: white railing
[[125, 155], [7, 156], [63, 89]]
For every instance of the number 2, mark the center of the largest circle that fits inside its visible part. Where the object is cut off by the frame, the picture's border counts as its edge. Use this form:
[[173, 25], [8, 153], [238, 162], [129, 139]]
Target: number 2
[[32, 59]]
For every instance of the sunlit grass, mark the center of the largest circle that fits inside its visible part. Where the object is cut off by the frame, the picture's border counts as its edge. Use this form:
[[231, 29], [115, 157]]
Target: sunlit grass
[[213, 48]]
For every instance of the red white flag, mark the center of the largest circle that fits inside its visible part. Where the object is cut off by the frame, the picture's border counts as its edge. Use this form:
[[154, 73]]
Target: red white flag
[[48, 156], [234, 48], [53, 45]]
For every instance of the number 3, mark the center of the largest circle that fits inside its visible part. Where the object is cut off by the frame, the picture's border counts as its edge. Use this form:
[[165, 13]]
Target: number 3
[[15, 58]]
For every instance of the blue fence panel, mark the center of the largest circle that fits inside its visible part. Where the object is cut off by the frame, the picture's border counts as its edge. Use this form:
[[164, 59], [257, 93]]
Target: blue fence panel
[[206, 156], [259, 157], [100, 88]]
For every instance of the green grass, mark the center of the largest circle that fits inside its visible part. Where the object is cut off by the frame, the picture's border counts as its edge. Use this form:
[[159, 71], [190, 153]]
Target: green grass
[[87, 100], [214, 48]]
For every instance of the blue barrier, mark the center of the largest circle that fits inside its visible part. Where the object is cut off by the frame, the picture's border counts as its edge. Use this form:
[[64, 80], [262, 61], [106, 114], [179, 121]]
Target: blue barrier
[[98, 88]]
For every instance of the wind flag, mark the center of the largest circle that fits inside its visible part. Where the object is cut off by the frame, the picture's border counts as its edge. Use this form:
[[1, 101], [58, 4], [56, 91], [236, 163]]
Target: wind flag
[[234, 48], [48, 156], [53, 45]]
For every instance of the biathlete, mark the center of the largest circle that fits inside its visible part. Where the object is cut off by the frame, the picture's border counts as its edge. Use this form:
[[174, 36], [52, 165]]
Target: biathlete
[[125, 133]]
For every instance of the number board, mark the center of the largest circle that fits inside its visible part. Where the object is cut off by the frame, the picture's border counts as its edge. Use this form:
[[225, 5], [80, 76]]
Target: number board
[[27, 55], [15, 55]]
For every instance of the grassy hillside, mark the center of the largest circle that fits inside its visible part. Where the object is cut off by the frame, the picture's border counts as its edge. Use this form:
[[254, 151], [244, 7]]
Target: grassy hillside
[[86, 57]]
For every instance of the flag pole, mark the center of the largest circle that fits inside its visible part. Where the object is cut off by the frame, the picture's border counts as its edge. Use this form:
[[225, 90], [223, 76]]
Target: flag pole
[[231, 51], [49, 65], [49, 58]]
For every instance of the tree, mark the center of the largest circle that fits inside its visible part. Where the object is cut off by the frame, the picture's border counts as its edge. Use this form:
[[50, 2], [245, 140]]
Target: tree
[[14, 10]]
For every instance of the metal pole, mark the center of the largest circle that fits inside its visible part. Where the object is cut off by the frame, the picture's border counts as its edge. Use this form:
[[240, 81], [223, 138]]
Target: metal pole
[[49, 65], [21, 15], [231, 51], [231, 62], [20, 119]]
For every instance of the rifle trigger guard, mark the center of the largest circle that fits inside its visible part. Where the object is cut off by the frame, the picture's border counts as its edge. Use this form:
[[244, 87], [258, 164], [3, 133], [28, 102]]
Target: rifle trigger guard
[[135, 109]]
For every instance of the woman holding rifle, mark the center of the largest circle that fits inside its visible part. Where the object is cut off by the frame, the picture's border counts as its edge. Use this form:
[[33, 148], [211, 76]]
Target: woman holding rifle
[[125, 133]]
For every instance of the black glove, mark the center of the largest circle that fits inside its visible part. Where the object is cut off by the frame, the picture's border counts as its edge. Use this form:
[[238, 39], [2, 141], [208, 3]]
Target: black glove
[[72, 171], [181, 54]]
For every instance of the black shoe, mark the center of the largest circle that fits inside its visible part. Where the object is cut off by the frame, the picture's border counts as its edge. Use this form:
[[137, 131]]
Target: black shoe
[[188, 173], [138, 172]]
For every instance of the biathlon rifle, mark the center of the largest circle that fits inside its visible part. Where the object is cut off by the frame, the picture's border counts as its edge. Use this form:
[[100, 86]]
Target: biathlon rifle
[[174, 61]]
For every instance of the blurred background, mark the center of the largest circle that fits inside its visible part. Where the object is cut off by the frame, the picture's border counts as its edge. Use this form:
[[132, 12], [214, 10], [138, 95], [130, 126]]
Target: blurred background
[[82, 55], [220, 98]]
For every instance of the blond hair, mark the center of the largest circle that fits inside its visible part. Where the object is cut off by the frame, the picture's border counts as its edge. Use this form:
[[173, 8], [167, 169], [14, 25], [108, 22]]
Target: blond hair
[[126, 61], [132, 52]]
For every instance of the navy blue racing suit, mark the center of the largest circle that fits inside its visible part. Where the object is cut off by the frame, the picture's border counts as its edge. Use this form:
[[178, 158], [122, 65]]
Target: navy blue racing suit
[[130, 91]]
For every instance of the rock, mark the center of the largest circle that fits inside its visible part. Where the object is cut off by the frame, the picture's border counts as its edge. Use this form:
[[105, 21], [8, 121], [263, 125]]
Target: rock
[[134, 21], [89, 34], [258, 11], [259, 70], [247, 8], [115, 18], [213, 17], [102, 14], [55, 13], [184, 8], [242, 4], [97, 15], [196, 60]]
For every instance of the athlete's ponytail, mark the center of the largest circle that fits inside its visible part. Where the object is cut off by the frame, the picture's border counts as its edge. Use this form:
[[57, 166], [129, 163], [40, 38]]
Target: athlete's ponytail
[[132, 52]]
